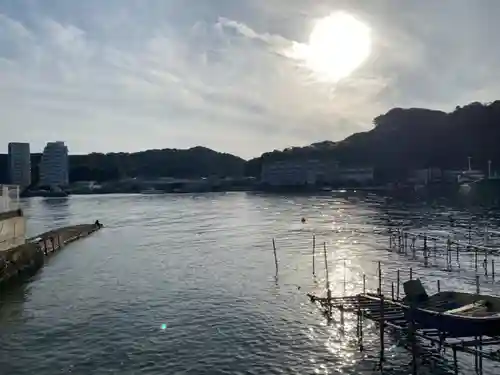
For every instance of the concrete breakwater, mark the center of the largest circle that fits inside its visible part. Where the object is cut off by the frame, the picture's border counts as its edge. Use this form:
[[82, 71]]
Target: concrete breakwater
[[26, 259]]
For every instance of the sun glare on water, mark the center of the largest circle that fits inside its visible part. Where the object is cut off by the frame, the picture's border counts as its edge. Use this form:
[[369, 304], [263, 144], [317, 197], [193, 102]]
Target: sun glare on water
[[337, 46]]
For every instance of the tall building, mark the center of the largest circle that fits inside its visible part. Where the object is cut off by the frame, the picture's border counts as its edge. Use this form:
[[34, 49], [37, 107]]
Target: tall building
[[19, 164], [54, 165]]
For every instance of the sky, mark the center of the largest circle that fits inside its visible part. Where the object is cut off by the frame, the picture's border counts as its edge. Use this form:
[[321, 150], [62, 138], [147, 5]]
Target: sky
[[238, 76]]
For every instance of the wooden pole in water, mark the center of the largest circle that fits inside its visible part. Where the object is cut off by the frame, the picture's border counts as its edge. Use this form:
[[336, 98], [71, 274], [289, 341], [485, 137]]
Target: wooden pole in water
[[397, 285], [411, 273], [379, 278], [480, 355], [413, 338], [360, 324], [477, 285], [475, 259], [382, 326], [439, 285], [426, 256], [275, 256], [414, 250], [451, 256], [328, 291], [364, 284], [314, 255], [326, 267], [493, 268], [470, 233], [455, 360], [344, 290], [448, 249]]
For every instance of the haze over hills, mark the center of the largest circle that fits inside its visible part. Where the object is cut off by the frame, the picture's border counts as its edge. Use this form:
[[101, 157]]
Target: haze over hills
[[402, 139]]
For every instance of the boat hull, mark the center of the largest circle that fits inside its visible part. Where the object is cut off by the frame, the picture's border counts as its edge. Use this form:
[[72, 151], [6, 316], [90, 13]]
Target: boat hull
[[454, 325]]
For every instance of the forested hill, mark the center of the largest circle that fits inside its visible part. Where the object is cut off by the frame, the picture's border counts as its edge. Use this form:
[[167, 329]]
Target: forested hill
[[401, 139], [194, 162], [404, 139]]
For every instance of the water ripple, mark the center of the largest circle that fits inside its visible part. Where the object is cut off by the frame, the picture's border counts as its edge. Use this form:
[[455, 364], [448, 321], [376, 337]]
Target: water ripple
[[184, 284]]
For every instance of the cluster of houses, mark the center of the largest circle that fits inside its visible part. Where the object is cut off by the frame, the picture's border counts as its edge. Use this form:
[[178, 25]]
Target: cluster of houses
[[330, 173]]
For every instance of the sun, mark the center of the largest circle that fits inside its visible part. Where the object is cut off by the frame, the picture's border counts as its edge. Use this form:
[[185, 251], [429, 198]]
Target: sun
[[337, 46]]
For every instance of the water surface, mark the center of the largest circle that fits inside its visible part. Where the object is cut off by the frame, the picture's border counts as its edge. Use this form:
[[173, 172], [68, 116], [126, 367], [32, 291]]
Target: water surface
[[184, 284]]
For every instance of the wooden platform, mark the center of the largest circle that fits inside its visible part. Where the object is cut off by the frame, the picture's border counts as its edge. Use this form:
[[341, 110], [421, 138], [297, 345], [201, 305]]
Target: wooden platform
[[388, 314]]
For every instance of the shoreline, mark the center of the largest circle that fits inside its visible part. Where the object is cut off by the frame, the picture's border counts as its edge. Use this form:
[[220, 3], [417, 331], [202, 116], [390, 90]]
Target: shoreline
[[19, 263]]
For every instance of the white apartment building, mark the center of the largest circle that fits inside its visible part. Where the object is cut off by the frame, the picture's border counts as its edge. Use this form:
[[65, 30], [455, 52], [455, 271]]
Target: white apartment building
[[54, 165], [20, 164]]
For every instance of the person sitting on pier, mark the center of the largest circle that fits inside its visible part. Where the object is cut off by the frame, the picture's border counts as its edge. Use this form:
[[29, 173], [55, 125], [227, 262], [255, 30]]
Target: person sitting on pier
[[303, 220], [98, 224]]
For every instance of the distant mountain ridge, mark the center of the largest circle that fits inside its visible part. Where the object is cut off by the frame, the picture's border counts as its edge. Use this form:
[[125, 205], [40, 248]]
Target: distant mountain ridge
[[401, 140]]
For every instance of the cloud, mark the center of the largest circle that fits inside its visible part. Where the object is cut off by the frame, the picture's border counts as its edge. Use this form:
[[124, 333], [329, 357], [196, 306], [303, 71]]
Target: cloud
[[119, 76]]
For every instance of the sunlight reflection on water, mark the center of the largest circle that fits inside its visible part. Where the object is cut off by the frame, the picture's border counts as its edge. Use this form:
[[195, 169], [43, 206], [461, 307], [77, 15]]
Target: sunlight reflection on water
[[185, 283]]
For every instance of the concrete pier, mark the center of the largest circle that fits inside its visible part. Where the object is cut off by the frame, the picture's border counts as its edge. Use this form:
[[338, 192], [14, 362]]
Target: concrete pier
[[25, 260]]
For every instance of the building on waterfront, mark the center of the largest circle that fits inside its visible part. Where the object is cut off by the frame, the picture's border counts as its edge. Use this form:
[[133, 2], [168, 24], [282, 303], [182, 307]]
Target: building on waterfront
[[19, 164], [12, 220], [425, 176], [361, 176], [299, 172], [54, 165], [289, 173], [312, 172]]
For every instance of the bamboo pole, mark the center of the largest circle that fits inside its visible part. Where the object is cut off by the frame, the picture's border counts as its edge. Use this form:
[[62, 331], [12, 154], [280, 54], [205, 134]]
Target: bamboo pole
[[314, 255], [379, 278], [381, 332], [275, 256], [328, 290], [397, 285]]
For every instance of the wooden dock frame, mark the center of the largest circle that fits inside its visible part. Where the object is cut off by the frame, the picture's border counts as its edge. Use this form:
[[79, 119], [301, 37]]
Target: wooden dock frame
[[426, 344], [433, 247], [388, 315]]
